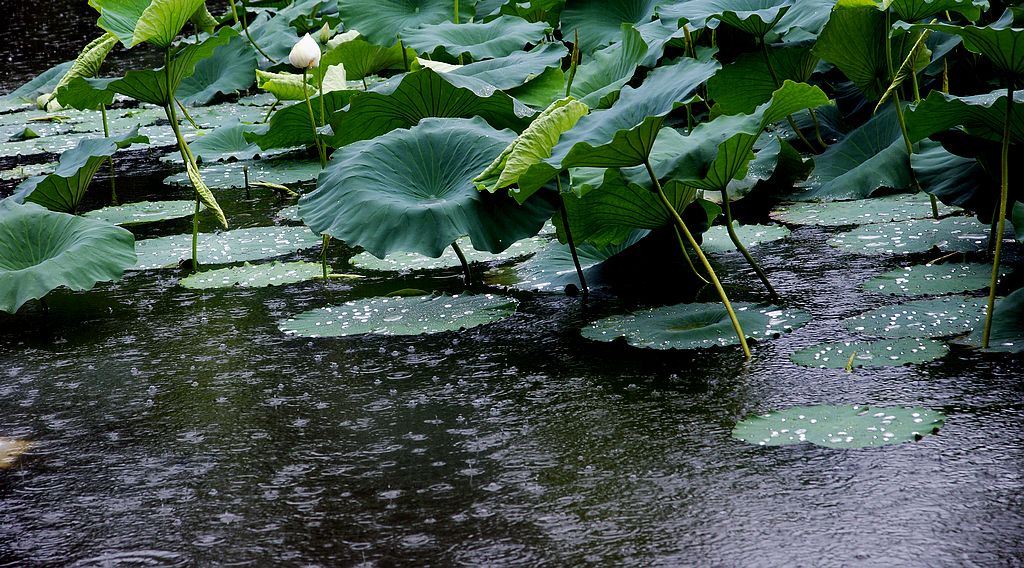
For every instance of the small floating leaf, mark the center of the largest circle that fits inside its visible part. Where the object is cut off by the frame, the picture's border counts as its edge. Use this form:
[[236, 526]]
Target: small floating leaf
[[239, 245], [959, 234], [716, 239], [898, 207], [143, 212], [839, 426], [938, 317], [400, 315], [926, 279], [884, 353], [257, 276]]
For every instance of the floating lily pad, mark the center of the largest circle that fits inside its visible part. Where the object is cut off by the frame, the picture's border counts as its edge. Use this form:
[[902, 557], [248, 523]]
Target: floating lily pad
[[695, 326], [143, 212], [256, 276], [839, 426], [883, 353], [10, 450], [935, 279], [957, 234], [239, 245], [898, 207], [290, 213], [408, 261], [28, 170], [716, 239], [1007, 325], [232, 176], [937, 317], [401, 315]]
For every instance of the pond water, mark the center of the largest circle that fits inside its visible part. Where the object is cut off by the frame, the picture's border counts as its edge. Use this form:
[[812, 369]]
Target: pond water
[[181, 427]]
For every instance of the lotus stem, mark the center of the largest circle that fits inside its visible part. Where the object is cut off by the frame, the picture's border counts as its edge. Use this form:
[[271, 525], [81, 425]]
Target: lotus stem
[[686, 256], [271, 110], [465, 263], [110, 161], [572, 243], [323, 253], [743, 250], [245, 29], [312, 121], [184, 112], [186, 154], [703, 258], [245, 177], [1004, 187], [777, 84], [574, 61], [910, 152], [405, 58], [456, 20]]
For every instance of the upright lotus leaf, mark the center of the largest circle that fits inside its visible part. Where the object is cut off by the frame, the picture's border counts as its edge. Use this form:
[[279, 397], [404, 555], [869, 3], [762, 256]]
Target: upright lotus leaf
[[999, 43], [755, 17], [531, 147], [384, 21], [412, 191], [980, 115], [229, 70], [203, 20], [226, 142], [534, 11], [41, 84], [290, 126], [917, 10], [954, 179], [87, 64], [273, 33], [624, 134], [739, 87], [553, 268], [286, 86], [873, 156], [136, 21], [518, 68], [404, 100], [361, 58], [1007, 325], [839, 426], [597, 82], [43, 250], [64, 189], [497, 38], [599, 22]]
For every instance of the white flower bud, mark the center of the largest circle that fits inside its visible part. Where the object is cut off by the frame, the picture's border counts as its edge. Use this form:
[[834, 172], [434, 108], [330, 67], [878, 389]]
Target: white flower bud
[[305, 54]]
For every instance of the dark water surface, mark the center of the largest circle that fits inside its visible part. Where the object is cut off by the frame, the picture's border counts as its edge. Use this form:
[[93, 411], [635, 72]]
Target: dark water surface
[[179, 427]]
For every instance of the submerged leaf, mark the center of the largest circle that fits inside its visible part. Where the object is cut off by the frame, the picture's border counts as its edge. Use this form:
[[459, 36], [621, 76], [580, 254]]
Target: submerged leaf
[[885, 209], [716, 239]]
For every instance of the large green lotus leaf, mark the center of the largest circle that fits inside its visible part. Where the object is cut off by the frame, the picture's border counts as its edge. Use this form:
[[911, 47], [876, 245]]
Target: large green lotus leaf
[[384, 21], [142, 212], [290, 127], [239, 245], [934, 318], [954, 179], [871, 157], [534, 11], [497, 38], [598, 81], [398, 315], [695, 326], [137, 21], [541, 90], [739, 87], [552, 269], [410, 261], [231, 175], [755, 17], [624, 134], [41, 84], [229, 70], [516, 69], [362, 58], [981, 115], [531, 147], [43, 250], [933, 279], [64, 189], [1007, 325], [227, 142], [599, 22], [839, 426], [412, 191], [716, 239], [882, 353], [87, 64], [886, 209], [917, 10], [403, 101], [255, 275], [999, 43], [84, 93], [957, 234]]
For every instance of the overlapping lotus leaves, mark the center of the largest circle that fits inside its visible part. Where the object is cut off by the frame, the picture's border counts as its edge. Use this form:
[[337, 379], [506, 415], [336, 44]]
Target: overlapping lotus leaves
[[839, 426], [882, 353], [934, 318], [953, 179], [552, 269], [889, 208], [43, 250], [361, 58], [403, 101], [716, 239], [227, 142], [384, 21], [227, 71], [599, 22], [239, 245], [695, 326], [412, 191], [87, 64], [516, 69], [624, 134], [410, 261], [917, 10], [142, 212], [136, 21], [499, 37], [255, 275], [739, 87], [597, 82], [954, 234], [999, 43], [397, 315], [64, 189], [933, 279], [755, 17], [1007, 325], [981, 115], [290, 127], [41, 84], [232, 175]]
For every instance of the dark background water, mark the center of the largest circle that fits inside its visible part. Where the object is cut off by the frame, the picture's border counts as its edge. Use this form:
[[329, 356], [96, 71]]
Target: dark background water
[[180, 427]]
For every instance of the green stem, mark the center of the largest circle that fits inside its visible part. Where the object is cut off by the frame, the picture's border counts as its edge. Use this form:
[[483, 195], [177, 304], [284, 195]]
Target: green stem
[[703, 258], [456, 11], [271, 110], [186, 154], [1004, 187], [574, 61], [184, 112], [686, 256], [910, 152], [775, 81], [323, 253], [570, 241], [405, 59], [312, 120], [113, 172], [465, 263], [743, 250], [245, 29]]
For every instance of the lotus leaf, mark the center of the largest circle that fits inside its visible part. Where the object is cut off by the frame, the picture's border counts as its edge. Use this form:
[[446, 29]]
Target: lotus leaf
[[839, 426], [409, 261], [43, 250], [981, 115], [599, 22], [917, 10], [890, 208], [137, 21], [497, 38], [933, 279], [41, 84], [716, 239], [934, 318], [384, 21], [598, 81], [741, 86], [143, 212], [227, 71], [239, 245], [882, 353], [1007, 325], [959, 234], [552, 269], [227, 142], [999, 43], [361, 58], [290, 126], [398, 315], [255, 276], [755, 17], [87, 64], [954, 179], [518, 68]]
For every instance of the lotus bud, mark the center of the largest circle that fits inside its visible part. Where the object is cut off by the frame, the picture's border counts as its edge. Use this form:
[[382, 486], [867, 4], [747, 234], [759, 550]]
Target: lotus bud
[[305, 54], [325, 33]]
